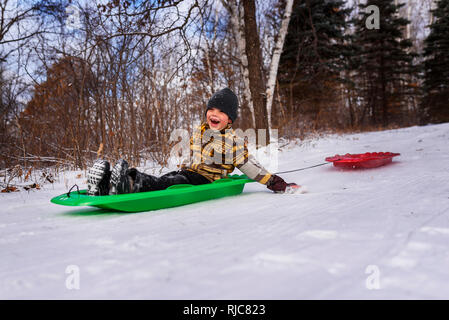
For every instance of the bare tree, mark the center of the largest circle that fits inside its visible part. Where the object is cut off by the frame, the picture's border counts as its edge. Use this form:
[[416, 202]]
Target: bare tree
[[255, 64], [237, 21], [274, 64], [259, 91], [17, 25]]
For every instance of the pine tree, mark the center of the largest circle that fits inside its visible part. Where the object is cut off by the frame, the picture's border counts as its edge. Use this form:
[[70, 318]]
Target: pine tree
[[436, 67], [384, 67], [314, 56]]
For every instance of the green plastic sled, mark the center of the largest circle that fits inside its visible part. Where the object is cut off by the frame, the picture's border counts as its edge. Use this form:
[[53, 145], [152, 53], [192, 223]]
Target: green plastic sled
[[176, 195]]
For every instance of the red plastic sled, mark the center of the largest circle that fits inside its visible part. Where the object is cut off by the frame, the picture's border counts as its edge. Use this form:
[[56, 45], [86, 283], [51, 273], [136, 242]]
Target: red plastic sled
[[362, 160]]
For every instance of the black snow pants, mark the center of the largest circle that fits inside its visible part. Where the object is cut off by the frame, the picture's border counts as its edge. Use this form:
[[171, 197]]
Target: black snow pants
[[144, 182]]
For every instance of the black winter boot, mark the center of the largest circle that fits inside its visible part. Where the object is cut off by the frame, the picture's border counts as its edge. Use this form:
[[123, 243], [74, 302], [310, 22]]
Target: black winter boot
[[119, 178], [98, 178]]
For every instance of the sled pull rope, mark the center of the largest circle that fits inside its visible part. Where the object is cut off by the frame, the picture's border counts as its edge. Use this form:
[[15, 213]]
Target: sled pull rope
[[317, 165], [77, 189]]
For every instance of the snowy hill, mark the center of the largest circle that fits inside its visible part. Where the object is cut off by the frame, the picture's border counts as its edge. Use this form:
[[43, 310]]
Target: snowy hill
[[364, 234]]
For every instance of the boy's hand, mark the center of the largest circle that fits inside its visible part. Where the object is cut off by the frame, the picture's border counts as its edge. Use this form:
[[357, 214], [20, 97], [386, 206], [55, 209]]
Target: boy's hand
[[278, 185]]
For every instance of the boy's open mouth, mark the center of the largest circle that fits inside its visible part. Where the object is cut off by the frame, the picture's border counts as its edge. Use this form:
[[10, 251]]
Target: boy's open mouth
[[214, 121]]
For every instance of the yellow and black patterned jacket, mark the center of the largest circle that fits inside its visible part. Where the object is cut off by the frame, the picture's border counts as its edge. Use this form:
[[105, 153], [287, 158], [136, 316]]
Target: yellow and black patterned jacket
[[215, 154]]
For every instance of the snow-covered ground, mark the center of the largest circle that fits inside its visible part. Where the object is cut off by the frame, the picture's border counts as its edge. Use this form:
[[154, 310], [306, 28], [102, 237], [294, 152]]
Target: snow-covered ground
[[379, 233]]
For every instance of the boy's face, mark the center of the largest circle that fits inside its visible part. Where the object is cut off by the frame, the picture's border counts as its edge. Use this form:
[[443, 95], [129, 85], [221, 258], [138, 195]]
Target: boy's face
[[217, 119]]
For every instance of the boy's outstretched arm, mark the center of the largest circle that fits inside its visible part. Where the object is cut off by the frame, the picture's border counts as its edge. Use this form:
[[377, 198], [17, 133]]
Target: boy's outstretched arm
[[255, 171], [249, 165]]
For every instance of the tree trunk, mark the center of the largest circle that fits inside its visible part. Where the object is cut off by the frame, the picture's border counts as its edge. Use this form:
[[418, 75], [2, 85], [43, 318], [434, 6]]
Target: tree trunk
[[253, 50], [275, 60], [237, 23], [384, 92]]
